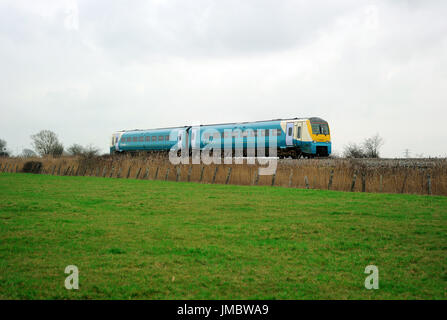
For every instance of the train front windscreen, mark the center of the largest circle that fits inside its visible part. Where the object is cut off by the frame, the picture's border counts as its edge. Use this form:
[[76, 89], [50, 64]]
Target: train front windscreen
[[320, 127]]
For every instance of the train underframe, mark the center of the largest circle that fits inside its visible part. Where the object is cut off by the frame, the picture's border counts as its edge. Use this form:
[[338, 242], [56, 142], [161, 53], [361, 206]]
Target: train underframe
[[281, 153]]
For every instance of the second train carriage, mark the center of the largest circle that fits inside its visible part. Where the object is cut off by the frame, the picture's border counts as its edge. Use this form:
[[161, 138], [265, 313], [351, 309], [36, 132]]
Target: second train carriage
[[309, 137]]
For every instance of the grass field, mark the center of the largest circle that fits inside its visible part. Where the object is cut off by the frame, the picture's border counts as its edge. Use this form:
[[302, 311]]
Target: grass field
[[165, 240]]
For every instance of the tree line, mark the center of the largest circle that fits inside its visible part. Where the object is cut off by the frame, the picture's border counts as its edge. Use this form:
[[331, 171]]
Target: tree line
[[46, 143]]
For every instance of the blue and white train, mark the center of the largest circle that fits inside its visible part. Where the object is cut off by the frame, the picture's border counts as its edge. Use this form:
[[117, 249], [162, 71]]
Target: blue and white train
[[297, 137]]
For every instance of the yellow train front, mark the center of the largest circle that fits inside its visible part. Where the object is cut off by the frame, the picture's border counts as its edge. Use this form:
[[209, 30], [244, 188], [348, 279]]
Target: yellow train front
[[311, 137]]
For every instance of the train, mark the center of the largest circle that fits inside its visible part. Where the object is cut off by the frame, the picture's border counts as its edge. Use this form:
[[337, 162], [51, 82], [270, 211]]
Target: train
[[295, 138]]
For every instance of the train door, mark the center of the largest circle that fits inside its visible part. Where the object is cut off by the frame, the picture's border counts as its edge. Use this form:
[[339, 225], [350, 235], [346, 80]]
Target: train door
[[117, 141], [195, 138], [182, 139], [289, 133]]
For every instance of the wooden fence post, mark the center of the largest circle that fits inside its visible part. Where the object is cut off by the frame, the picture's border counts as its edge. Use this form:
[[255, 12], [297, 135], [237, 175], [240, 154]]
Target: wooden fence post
[[66, 171], [290, 177], [363, 181], [54, 168], [104, 172], [138, 173], [156, 174], [381, 183], [97, 172], [128, 172], [111, 172], [214, 175], [228, 175], [59, 170], [167, 174], [354, 178], [146, 173], [177, 177], [118, 175], [306, 182], [189, 173], [331, 176], [256, 177], [17, 168], [404, 183], [429, 183], [201, 173], [273, 179]]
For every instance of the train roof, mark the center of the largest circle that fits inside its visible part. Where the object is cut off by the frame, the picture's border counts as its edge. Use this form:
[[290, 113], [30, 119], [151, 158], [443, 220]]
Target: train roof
[[225, 123]]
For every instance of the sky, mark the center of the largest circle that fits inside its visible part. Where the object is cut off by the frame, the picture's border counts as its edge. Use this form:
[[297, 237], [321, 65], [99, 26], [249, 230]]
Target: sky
[[85, 69]]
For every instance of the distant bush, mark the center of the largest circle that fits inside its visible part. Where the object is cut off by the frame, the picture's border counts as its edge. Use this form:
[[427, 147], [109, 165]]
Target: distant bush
[[368, 149], [89, 151]]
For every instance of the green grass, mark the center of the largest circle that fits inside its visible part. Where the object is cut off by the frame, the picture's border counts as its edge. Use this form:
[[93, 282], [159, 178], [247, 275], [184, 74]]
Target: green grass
[[166, 240]]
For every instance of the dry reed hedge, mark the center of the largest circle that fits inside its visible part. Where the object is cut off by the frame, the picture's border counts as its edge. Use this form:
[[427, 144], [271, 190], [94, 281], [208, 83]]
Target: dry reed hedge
[[423, 176]]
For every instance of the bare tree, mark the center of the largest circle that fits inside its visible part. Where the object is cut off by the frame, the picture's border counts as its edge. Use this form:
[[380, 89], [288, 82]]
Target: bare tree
[[75, 149], [28, 153], [353, 150], [46, 143], [407, 153], [3, 150], [88, 151], [371, 146], [91, 151]]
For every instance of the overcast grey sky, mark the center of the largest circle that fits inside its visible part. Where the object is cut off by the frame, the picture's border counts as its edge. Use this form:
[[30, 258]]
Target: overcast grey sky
[[87, 68]]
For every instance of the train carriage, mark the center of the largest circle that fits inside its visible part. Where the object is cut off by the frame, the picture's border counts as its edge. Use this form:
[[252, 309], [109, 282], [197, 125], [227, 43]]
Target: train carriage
[[309, 137]]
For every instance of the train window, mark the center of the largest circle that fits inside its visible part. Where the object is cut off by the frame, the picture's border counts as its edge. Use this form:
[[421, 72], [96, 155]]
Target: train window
[[141, 139], [123, 139], [299, 132], [148, 138], [154, 138], [134, 139], [161, 138], [290, 131], [129, 139], [252, 133], [167, 138], [278, 132]]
